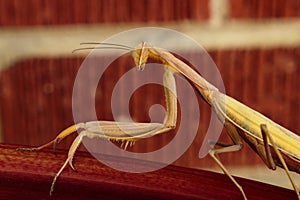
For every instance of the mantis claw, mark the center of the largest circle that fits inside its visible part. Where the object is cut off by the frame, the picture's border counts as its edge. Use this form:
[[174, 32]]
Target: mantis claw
[[55, 143], [54, 148], [71, 165]]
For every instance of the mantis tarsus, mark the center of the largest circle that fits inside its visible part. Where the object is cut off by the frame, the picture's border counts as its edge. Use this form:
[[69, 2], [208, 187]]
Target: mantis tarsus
[[276, 145]]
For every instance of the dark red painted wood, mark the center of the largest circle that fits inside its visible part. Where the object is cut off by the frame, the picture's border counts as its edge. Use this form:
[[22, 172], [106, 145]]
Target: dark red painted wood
[[28, 175]]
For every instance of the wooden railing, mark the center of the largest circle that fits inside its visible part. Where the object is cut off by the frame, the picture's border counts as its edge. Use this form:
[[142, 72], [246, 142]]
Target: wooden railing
[[28, 175]]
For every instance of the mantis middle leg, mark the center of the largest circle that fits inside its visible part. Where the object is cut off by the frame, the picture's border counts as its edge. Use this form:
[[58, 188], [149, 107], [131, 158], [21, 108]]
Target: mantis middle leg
[[265, 153], [233, 132]]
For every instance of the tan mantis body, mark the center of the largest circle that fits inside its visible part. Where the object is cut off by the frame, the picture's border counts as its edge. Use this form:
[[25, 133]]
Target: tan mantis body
[[276, 145]]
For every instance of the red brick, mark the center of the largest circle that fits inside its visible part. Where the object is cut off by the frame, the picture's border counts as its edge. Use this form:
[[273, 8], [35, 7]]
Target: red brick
[[262, 9], [41, 12]]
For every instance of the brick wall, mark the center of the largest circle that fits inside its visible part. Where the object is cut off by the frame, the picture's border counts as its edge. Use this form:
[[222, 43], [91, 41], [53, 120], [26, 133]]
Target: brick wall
[[255, 9], [39, 12], [36, 84]]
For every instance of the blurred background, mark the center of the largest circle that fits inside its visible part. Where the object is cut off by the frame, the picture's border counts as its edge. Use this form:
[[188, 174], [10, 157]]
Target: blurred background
[[255, 44]]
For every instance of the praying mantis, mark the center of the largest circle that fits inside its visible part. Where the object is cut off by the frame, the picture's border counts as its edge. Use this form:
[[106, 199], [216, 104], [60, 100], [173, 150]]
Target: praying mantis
[[276, 145]]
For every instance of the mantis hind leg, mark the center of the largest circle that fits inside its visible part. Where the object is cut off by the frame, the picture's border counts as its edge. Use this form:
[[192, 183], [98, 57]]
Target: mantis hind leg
[[233, 132], [269, 159]]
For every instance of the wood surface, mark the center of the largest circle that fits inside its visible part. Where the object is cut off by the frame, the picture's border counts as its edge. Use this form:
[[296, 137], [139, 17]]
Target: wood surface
[[28, 175]]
